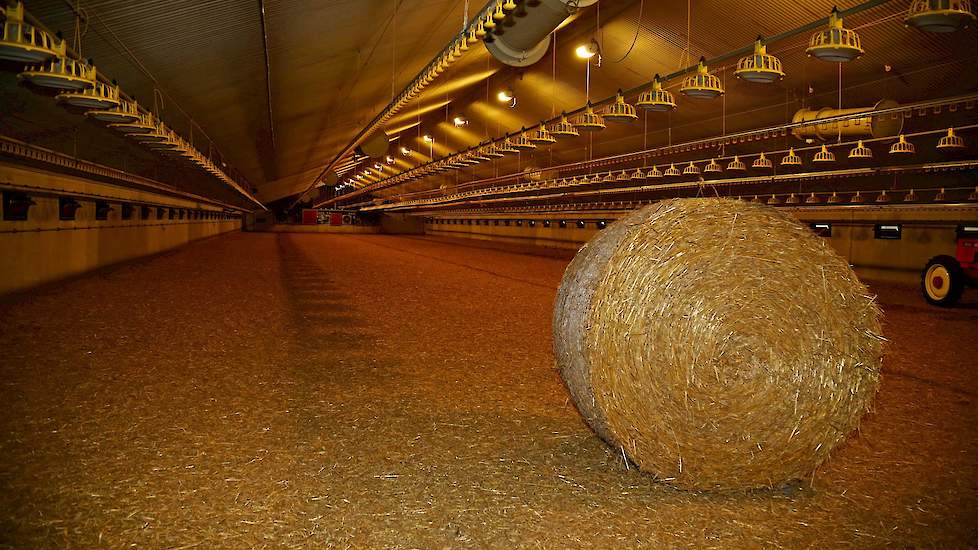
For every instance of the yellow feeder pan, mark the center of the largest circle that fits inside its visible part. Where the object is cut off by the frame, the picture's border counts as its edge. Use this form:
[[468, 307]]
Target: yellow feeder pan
[[691, 170], [61, 72], [824, 155], [656, 99], [792, 199], [672, 171], [609, 178], [542, 136], [620, 111], [589, 121], [654, 172], [813, 199], [902, 147], [861, 152], [774, 201], [911, 196], [507, 147], [563, 128], [713, 167], [835, 44], [835, 198], [883, 197], [762, 163], [951, 141], [522, 141], [940, 15], [492, 151], [157, 135], [480, 154], [760, 67], [701, 84], [623, 176], [142, 125], [638, 175], [736, 165], [791, 159], [100, 97], [25, 43]]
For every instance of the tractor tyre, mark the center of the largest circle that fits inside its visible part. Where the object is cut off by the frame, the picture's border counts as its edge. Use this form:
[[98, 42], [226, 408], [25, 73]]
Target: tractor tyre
[[942, 281]]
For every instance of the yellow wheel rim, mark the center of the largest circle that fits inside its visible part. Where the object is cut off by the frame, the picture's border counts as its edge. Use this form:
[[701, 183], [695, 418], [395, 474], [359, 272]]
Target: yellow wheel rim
[[938, 281]]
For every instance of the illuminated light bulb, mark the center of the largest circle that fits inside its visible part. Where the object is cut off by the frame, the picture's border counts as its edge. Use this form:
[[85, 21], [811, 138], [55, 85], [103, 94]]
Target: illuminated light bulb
[[587, 51]]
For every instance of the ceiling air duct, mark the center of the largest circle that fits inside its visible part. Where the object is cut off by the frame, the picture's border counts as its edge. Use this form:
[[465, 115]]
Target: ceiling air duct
[[527, 40], [870, 125]]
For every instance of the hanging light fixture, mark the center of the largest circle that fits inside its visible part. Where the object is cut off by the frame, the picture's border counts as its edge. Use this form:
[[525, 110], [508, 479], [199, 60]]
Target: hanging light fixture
[[940, 15], [24, 43], [701, 84], [824, 155], [813, 199], [760, 67], [691, 170], [836, 44], [861, 152], [654, 172], [951, 141], [542, 136], [620, 111], [672, 171], [791, 159], [762, 163], [736, 165], [902, 147], [589, 50], [564, 127], [656, 98], [589, 121], [713, 167]]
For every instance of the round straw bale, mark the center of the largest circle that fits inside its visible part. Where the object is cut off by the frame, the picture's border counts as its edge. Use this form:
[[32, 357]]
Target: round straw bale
[[719, 344]]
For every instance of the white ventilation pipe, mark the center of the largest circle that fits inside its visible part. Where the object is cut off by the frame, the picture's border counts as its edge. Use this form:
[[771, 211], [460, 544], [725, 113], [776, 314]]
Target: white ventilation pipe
[[527, 41]]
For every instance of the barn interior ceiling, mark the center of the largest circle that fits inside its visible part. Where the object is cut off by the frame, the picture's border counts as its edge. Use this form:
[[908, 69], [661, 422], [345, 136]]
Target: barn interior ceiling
[[281, 87]]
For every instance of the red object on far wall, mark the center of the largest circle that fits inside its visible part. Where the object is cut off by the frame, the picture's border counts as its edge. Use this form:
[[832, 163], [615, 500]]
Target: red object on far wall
[[309, 217], [336, 218]]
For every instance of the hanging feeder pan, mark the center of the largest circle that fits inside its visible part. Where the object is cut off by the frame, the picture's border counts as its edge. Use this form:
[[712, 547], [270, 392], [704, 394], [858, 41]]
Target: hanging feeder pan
[[672, 171], [902, 147], [760, 67], [563, 128], [125, 112], [656, 99], [522, 141], [736, 165], [691, 170], [824, 155], [836, 43], [61, 73], [702, 84], [762, 163], [101, 97], [940, 15], [620, 111], [589, 121], [506, 147], [638, 175], [623, 176], [142, 125], [654, 173], [951, 141], [542, 136], [713, 167], [24, 43], [791, 159], [157, 135], [861, 152]]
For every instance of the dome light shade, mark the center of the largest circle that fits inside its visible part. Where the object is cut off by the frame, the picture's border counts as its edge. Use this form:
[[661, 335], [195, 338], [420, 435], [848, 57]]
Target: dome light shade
[[691, 170], [836, 43], [940, 15], [902, 147], [563, 128], [25, 43], [736, 165], [656, 99], [951, 141], [589, 121], [672, 171], [860, 151], [824, 155], [100, 96], [791, 159], [762, 163], [620, 111], [760, 67], [701, 84]]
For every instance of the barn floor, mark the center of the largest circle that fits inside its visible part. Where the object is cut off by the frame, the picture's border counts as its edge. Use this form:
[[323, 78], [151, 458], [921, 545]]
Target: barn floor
[[377, 391]]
